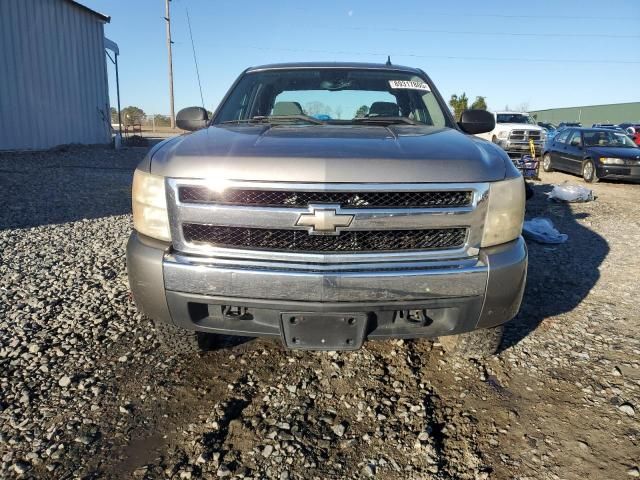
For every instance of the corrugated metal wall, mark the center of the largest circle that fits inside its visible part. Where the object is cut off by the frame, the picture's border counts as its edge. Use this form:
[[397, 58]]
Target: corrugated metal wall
[[588, 115], [53, 76]]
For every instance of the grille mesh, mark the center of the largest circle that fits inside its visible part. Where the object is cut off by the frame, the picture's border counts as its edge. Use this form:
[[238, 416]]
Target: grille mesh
[[300, 240], [522, 135], [271, 198]]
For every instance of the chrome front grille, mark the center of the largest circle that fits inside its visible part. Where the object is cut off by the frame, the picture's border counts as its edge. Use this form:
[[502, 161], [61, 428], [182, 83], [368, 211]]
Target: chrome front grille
[[262, 221], [364, 199], [525, 135], [301, 241]]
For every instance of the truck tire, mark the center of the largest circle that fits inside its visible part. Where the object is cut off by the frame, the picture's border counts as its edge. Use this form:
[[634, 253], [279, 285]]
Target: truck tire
[[476, 344], [528, 190], [178, 341]]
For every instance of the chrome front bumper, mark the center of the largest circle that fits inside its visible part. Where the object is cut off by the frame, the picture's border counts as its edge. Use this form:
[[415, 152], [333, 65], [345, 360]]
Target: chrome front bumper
[[355, 283], [520, 146], [457, 295]]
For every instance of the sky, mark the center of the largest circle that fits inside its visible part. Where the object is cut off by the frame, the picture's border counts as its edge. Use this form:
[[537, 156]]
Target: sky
[[536, 55]]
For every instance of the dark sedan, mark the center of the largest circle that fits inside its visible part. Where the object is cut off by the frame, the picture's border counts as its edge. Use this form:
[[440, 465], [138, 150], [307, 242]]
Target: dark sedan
[[594, 153]]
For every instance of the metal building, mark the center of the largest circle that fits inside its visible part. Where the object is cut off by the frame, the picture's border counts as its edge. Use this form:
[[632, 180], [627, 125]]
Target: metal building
[[53, 75], [588, 115]]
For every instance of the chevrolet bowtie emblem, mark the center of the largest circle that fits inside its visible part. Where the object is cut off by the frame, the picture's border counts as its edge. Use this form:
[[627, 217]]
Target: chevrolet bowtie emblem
[[324, 220]]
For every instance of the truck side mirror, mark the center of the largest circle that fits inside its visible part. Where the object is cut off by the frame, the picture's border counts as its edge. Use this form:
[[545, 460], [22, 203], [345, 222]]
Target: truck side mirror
[[192, 118], [477, 121]]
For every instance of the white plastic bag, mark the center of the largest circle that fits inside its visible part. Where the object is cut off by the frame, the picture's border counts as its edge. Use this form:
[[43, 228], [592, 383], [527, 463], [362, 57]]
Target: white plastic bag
[[542, 230], [571, 193]]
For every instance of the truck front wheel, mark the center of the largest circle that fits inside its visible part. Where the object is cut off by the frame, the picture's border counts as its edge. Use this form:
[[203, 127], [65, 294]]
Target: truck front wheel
[[476, 344]]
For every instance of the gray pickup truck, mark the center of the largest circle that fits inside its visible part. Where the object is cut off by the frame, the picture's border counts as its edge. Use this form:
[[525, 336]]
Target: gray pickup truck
[[326, 204]]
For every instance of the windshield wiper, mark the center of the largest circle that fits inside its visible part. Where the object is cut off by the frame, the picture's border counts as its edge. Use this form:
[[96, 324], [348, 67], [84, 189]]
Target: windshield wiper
[[385, 120], [276, 118]]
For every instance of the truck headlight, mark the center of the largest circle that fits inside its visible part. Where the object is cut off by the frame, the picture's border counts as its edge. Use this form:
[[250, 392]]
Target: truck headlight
[[504, 134], [150, 215], [612, 161], [505, 212]]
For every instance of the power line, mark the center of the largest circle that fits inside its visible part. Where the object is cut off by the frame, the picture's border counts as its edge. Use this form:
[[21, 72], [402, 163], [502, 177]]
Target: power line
[[491, 33], [546, 17], [443, 57], [457, 14], [195, 59]]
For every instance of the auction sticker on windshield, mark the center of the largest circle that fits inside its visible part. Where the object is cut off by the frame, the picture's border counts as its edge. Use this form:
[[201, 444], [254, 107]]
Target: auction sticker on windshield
[[409, 84]]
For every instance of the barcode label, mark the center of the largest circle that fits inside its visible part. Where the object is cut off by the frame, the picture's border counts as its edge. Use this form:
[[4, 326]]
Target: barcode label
[[409, 85]]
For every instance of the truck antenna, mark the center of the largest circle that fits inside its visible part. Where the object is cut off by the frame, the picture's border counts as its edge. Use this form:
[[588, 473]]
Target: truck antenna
[[195, 59]]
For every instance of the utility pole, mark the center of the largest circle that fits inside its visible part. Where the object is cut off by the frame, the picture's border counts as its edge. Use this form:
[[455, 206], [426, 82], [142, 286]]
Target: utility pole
[[172, 114]]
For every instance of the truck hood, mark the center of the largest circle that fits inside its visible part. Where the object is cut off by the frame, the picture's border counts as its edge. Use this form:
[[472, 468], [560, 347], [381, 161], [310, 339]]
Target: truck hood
[[328, 153], [518, 126]]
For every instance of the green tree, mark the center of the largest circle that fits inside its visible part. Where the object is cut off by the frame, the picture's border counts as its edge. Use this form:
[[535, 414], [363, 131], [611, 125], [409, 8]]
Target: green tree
[[362, 111], [131, 115], [114, 115], [459, 104], [480, 103]]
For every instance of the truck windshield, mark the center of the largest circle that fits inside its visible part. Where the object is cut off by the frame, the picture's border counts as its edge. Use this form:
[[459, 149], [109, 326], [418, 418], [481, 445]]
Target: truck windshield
[[332, 96], [514, 118]]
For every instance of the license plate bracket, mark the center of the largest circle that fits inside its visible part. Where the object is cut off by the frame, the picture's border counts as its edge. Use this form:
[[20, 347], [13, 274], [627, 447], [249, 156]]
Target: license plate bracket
[[323, 331]]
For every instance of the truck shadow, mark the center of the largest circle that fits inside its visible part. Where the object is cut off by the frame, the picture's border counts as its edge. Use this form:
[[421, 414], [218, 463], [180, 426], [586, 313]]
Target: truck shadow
[[210, 342], [559, 276]]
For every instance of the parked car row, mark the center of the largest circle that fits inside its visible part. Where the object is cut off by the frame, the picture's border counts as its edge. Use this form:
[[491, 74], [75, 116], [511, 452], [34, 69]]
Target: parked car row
[[633, 130], [608, 126], [630, 128], [603, 151]]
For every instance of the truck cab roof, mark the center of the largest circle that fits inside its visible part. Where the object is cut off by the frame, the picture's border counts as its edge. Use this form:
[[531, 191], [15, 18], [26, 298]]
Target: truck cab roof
[[346, 65]]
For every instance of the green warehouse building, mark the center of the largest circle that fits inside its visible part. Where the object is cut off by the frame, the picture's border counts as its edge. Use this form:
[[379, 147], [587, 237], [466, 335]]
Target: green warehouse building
[[588, 115]]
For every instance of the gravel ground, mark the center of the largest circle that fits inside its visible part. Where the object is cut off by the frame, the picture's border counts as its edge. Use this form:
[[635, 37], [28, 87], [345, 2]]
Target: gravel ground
[[85, 391]]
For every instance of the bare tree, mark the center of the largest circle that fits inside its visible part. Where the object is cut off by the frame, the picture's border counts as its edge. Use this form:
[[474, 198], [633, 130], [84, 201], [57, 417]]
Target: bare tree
[[317, 108]]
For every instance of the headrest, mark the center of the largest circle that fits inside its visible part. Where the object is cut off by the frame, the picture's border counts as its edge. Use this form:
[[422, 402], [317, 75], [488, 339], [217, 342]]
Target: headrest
[[287, 108], [384, 109]]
